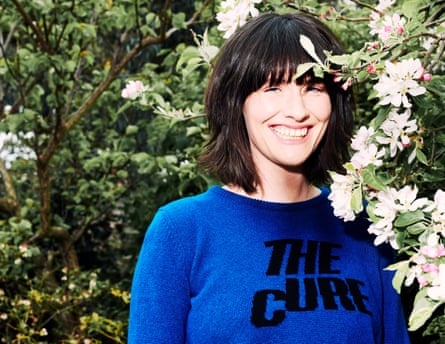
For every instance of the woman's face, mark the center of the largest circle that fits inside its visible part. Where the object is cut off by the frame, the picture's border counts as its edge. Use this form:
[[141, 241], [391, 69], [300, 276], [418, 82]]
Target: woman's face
[[285, 123]]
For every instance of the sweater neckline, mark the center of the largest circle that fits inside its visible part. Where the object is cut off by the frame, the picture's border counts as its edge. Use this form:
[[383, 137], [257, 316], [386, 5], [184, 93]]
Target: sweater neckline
[[241, 199]]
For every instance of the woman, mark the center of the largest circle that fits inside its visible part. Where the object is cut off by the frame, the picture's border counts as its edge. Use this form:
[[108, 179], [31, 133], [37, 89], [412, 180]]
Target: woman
[[263, 259]]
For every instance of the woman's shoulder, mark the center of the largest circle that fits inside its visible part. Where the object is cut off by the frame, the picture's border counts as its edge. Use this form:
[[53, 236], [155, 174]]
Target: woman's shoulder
[[186, 209], [191, 202]]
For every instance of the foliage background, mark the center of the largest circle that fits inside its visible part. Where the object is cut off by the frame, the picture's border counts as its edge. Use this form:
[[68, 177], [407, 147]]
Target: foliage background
[[74, 212]]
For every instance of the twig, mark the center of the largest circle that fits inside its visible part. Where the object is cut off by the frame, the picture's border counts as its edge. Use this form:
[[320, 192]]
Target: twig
[[34, 28]]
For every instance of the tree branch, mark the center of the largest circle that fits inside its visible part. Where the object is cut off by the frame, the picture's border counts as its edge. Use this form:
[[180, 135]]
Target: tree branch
[[5, 42], [9, 203], [43, 43]]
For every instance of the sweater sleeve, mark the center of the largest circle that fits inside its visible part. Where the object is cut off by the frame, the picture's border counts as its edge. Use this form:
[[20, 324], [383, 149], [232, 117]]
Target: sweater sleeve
[[160, 294]]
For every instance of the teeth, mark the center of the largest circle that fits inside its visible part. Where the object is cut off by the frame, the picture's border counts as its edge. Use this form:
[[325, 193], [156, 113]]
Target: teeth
[[290, 133]]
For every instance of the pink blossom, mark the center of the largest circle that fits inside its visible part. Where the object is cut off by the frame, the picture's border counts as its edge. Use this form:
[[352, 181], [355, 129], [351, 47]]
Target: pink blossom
[[133, 89], [406, 142], [433, 251], [430, 268], [426, 77], [347, 84], [371, 69], [422, 280], [337, 77], [387, 26]]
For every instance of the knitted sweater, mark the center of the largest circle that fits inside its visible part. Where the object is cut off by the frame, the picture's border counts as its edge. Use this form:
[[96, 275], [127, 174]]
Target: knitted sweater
[[223, 268]]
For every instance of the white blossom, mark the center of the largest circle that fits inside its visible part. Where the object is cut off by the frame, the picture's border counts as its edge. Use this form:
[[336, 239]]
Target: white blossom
[[386, 209], [390, 203], [23, 302], [386, 27], [7, 109], [439, 201], [381, 7], [399, 81], [234, 14], [362, 138], [407, 199], [397, 128], [384, 232], [438, 212], [12, 147], [92, 285], [437, 292], [341, 195], [206, 50], [367, 156], [415, 270], [433, 249], [384, 4]]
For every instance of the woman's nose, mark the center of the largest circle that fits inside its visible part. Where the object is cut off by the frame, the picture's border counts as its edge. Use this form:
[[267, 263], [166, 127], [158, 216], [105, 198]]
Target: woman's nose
[[295, 106]]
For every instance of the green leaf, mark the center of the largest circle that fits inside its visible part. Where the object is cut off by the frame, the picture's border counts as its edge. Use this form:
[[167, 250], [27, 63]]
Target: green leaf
[[418, 317], [401, 270], [193, 130], [357, 200], [303, 68], [70, 66], [410, 8], [356, 58], [188, 53], [421, 157], [370, 207], [422, 310], [171, 159], [140, 157], [417, 228], [178, 20], [46, 5], [131, 130], [308, 46], [340, 59], [408, 218], [371, 179], [122, 174], [362, 75]]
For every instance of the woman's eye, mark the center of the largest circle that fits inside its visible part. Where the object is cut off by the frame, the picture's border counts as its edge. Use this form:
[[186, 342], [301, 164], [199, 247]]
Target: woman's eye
[[272, 89], [318, 88]]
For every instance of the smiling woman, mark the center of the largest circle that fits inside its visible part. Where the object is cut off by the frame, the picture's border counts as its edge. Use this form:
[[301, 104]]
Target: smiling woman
[[263, 259], [267, 53]]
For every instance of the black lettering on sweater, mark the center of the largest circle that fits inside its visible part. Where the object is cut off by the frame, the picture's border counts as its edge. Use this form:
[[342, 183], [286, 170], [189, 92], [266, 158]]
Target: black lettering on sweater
[[311, 282]]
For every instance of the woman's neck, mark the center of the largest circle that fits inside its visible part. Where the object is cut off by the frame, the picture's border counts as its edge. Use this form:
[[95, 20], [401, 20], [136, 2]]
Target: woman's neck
[[290, 189]]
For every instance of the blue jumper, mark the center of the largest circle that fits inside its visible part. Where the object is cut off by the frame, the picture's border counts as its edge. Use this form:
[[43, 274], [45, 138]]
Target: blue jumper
[[223, 268]]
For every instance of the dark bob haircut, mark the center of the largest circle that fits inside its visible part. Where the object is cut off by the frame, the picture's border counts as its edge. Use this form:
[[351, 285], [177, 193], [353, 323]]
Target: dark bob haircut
[[268, 49]]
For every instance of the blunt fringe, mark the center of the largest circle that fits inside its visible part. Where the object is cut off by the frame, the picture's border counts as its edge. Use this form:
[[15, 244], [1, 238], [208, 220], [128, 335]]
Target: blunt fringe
[[267, 49]]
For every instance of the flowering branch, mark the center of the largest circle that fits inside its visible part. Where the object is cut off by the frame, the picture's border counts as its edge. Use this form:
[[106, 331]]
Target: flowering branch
[[379, 177]]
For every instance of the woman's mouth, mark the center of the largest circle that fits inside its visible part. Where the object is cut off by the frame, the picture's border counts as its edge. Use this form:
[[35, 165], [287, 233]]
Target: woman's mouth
[[290, 133]]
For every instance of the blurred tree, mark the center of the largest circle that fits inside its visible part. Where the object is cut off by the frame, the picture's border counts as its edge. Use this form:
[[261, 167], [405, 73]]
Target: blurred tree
[[74, 209]]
